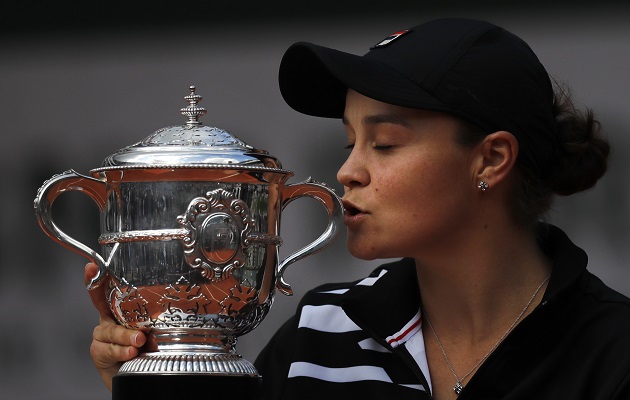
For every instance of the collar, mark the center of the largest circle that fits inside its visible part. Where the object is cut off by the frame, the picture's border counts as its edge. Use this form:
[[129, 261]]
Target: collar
[[387, 303], [568, 260]]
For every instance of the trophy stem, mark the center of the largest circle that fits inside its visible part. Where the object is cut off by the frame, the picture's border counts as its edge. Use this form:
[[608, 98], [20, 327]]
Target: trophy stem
[[193, 340]]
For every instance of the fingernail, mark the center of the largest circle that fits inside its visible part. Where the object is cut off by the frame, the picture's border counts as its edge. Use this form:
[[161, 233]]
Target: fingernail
[[134, 339]]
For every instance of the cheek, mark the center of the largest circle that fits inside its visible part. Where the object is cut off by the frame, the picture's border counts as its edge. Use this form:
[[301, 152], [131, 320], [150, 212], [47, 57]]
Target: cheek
[[432, 189], [422, 178]]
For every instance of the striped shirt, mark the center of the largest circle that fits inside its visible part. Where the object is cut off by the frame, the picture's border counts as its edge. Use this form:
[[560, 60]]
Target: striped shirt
[[359, 337], [363, 340]]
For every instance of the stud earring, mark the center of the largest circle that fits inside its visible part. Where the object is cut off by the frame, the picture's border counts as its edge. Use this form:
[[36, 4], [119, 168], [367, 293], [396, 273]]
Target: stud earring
[[483, 186]]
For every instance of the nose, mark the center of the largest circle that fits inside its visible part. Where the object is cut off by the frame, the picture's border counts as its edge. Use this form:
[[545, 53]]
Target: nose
[[353, 172]]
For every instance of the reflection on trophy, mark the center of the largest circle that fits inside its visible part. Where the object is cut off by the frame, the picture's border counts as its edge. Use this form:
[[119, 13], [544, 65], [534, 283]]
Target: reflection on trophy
[[189, 241]]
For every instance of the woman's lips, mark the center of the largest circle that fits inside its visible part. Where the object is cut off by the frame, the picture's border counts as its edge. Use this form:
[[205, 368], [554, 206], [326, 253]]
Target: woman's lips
[[353, 214]]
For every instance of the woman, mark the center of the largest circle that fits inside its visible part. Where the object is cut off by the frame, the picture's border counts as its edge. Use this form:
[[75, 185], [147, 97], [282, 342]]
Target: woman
[[457, 146]]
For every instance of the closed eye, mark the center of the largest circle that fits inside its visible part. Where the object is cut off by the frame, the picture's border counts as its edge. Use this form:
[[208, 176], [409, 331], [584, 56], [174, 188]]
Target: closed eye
[[383, 147]]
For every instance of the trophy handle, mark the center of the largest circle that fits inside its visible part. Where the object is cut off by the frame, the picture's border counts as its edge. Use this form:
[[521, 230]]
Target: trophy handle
[[46, 195], [329, 199]]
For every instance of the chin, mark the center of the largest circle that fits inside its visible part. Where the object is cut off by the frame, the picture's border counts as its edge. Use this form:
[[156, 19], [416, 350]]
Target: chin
[[365, 252]]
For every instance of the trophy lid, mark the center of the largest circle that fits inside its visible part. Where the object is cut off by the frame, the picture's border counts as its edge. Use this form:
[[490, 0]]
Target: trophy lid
[[192, 145]]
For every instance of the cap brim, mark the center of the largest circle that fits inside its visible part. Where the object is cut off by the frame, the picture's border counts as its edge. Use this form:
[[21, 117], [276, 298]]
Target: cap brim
[[314, 81]]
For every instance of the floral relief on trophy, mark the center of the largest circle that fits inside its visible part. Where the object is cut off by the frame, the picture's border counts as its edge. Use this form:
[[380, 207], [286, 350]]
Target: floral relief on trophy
[[238, 297], [184, 303], [131, 307], [218, 227]]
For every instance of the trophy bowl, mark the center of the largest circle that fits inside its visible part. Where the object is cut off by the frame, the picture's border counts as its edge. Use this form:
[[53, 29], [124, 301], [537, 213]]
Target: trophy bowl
[[189, 235]]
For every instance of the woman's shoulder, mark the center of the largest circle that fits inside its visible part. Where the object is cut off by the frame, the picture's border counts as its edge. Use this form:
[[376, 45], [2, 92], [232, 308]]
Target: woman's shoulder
[[597, 317], [601, 295]]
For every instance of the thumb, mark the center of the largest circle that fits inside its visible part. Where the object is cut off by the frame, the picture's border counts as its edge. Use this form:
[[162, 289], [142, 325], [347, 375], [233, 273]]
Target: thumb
[[97, 294]]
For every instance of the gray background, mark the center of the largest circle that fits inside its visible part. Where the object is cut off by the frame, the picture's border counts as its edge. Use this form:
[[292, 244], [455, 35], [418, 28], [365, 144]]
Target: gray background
[[74, 89]]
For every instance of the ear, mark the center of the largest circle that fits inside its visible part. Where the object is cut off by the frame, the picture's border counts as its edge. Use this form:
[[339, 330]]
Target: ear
[[497, 156]]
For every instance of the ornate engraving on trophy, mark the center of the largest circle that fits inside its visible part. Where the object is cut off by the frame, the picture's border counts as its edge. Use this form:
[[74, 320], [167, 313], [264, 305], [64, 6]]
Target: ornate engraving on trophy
[[191, 136], [219, 238], [184, 304], [219, 225], [132, 308], [239, 295]]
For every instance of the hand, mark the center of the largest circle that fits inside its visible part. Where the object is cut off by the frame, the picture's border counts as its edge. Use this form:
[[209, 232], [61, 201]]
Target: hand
[[112, 344]]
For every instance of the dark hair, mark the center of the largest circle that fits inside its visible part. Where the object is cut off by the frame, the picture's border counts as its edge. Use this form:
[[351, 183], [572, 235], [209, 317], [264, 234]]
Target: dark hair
[[580, 160]]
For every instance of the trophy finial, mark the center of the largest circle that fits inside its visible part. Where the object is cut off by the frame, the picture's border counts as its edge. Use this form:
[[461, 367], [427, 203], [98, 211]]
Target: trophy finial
[[192, 111]]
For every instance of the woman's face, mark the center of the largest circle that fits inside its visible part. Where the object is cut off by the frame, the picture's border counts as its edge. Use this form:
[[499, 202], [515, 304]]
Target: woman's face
[[408, 184]]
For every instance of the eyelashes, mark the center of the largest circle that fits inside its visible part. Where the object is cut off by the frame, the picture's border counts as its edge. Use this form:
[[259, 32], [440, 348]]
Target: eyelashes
[[383, 147], [349, 147]]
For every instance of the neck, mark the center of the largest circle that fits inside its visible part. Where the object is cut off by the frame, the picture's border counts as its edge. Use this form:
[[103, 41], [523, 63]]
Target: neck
[[483, 284]]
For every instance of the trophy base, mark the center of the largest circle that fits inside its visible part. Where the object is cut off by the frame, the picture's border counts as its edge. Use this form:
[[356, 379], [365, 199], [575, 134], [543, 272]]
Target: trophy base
[[190, 386], [187, 362]]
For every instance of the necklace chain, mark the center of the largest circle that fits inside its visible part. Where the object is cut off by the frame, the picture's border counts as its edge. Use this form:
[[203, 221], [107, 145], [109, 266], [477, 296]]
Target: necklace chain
[[459, 381]]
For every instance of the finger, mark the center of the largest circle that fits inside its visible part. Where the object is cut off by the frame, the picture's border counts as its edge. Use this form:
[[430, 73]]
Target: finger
[[108, 355], [97, 295], [109, 332]]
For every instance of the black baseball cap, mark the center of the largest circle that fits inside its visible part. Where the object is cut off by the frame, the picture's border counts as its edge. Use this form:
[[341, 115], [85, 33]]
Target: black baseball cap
[[469, 68]]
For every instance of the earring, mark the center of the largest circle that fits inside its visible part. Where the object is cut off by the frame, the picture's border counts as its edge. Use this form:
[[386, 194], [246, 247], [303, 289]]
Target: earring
[[483, 186]]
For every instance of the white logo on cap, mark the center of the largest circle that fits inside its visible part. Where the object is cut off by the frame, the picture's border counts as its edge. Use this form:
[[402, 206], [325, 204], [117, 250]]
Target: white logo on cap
[[390, 38]]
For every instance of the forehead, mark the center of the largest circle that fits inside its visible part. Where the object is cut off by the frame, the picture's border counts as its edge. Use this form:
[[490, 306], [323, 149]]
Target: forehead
[[361, 109]]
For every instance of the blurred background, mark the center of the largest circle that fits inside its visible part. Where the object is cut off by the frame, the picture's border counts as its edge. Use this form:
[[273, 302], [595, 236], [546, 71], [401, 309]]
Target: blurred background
[[80, 80]]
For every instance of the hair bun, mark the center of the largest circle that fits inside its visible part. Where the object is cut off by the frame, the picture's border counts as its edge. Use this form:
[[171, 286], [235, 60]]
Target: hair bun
[[583, 155]]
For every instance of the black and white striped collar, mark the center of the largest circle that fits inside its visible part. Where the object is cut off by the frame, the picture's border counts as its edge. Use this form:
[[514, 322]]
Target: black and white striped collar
[[387, 303]]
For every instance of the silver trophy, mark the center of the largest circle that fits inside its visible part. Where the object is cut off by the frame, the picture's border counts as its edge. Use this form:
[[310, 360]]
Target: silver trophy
[[189, 241]]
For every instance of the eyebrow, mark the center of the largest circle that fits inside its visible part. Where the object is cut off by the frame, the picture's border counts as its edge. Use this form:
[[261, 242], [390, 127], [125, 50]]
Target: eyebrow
[[381, 119]]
